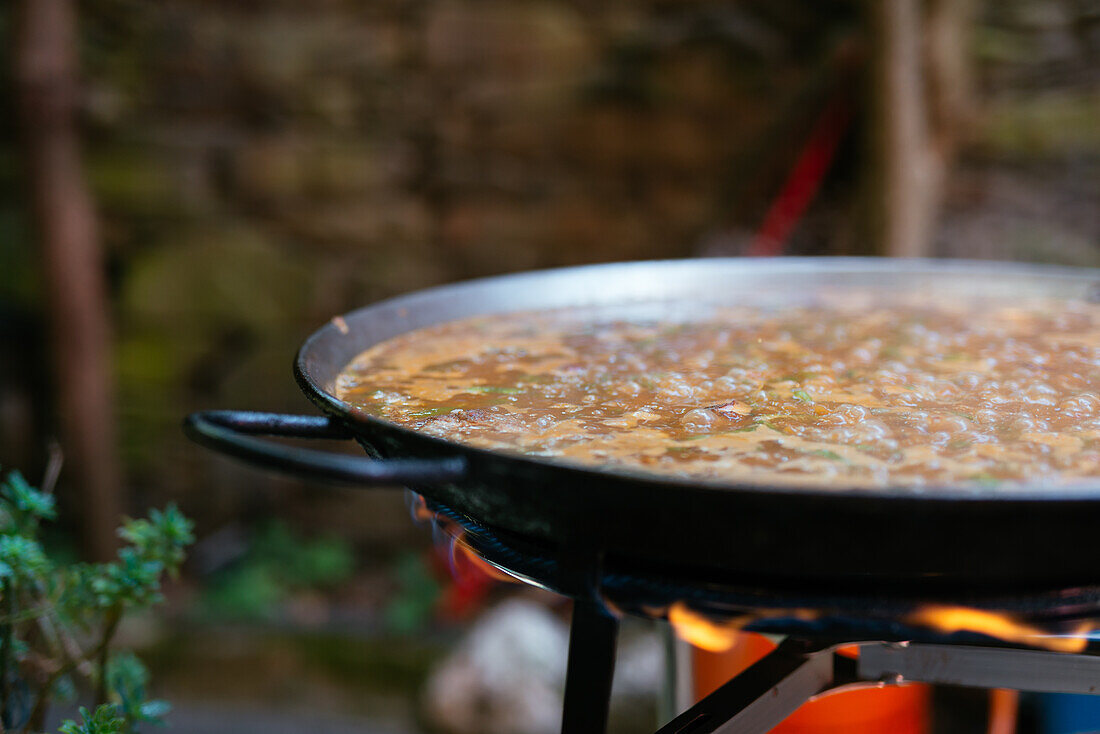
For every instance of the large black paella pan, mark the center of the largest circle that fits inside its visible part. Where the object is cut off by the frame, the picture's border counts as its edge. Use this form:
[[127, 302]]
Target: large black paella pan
[[939, 540]]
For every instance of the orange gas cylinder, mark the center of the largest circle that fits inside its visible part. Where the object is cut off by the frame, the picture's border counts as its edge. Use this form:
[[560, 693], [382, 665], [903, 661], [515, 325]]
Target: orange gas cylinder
[[887, 710]]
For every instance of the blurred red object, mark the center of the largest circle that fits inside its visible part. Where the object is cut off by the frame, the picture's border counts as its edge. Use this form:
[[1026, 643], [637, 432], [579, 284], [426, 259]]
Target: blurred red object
[[889, 710], [467, 581], [805, 178]]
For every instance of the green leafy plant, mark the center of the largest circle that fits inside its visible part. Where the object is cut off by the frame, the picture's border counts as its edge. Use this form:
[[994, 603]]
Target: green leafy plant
[[105, 720], [58, 621]]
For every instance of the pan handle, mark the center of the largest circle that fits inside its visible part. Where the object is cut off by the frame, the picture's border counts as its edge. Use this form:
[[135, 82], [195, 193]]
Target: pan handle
[[233, 432]]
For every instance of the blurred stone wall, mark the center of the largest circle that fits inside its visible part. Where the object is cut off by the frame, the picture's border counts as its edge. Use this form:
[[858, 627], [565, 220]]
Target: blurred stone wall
[[1028, 183], [263, 165]]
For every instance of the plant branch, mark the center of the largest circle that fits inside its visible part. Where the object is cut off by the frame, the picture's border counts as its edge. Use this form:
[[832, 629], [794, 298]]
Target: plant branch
[[8, 590], [100, 653], [38, 711], [64, 643], [114, 616], [53, 468]]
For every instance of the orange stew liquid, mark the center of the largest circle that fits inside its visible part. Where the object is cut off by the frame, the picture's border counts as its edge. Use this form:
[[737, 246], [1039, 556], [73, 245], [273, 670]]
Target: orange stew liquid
[[844, 394]]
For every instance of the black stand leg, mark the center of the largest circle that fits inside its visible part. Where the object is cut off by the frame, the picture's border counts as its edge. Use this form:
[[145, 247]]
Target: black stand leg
[[758, 698], [591, 666]]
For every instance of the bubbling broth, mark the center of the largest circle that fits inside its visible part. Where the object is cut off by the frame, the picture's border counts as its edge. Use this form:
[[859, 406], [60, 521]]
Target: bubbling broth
[[848, 391]]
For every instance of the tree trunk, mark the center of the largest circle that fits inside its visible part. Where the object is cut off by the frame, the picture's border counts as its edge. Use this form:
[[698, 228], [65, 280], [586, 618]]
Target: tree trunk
[[907, 171], [74, 280], [950, 83]]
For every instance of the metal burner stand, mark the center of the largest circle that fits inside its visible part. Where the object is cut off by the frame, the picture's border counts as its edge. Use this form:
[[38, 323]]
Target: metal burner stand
[[771, 689], [804, 665]]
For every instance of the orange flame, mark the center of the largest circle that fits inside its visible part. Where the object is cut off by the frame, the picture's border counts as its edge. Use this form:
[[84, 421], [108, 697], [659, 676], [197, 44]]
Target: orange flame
[[697, 630], [420, 511], [949, 619], [463, 558], [718, 636], [460, 548]]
